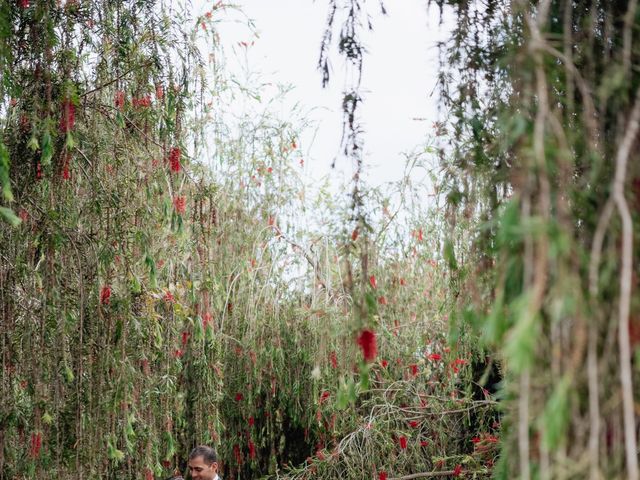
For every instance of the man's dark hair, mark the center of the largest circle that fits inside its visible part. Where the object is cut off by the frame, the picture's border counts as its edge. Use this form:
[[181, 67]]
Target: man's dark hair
[[208, 454]]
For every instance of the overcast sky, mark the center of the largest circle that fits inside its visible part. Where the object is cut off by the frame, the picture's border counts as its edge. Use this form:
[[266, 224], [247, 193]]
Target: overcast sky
[[399, 75]]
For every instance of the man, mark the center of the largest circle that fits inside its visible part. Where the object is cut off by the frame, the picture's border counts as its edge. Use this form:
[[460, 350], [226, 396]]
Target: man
[[203, 463]]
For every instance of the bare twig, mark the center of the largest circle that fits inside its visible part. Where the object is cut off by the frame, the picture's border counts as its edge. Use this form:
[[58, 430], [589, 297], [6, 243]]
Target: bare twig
[[622, 157]]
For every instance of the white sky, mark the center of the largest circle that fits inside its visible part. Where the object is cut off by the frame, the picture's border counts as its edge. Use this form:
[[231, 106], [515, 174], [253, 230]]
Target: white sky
[[400, 72]]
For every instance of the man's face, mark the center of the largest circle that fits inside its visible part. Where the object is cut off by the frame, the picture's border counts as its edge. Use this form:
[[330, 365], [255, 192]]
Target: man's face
[[199, 470]]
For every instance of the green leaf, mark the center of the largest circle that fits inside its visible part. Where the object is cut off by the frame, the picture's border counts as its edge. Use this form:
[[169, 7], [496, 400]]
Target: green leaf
[[9, 216], [555, 418], [520, 344], [47, 148], [449, 255], [5, 163]]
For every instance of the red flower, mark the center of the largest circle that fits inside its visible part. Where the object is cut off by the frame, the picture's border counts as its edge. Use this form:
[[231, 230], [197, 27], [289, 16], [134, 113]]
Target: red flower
[[178, 353], [424, 443], [105, 295], [24, 3], [403, 282], [457, 470], [324, 396], [239, 397], [382, 300], [185, 338], [434, 356], [36, 444], [251, 421], [403, 442], [354, 234], [38, 171], [372, 281], [252, 450], [168, 297], [367, 343], [68, 118], [65, 166], [382, 476], [491, 439], [333, 358], [414, 369], [237, 454], [174, 159], [384, 363], [180, 204], [475, 440], [414, 424], [148, 474], [119, 99]]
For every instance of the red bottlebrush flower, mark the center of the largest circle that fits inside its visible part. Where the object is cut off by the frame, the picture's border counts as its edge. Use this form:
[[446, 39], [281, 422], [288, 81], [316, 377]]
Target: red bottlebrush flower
[[414, 369], [372, 282], [270, 170], [475, 440], [165, 463], [384, 363], [178, 353], [403, 282], [414, 424], [159, 92], [118, 99], [420, 235], [185, 338], [24, 4], [105, 295], [66, 174], [36, 444], [367, 343], [251, 421], [333, 358], [382, 476], [168, 297], [68, 118], [382, 300], [491, 439], [38, 171], [252, 450], [424, 443], [239, 397], [457, 471], [174, 159], [403, 442], [237, 454], [148, 474], [324, 397], [207, 320], [180, 204], [354, 234], [434, 356]]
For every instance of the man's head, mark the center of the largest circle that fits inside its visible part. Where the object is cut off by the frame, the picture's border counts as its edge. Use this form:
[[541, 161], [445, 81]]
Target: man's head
[[203, 463]]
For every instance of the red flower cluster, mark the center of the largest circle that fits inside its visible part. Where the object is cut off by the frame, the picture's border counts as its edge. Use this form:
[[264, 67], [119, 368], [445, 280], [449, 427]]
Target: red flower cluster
[[36, 444], [148, 474], [324, 397], [403, 442], [180, 204], [382, 476], [68, 118], [457, 470], [119, 99], [24, 4], [105, 295], [141, 102], [252, 450], [66, 174], [434, 356], [251, 421], [333, 358], [382, 300], [367, 342], [372, 282], [185, 338], [239, 397], [174, 159], [414, 424], [414, 369]]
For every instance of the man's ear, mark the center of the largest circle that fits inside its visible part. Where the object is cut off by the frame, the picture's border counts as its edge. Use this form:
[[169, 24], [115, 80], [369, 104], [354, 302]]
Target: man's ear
[[214, 465]]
